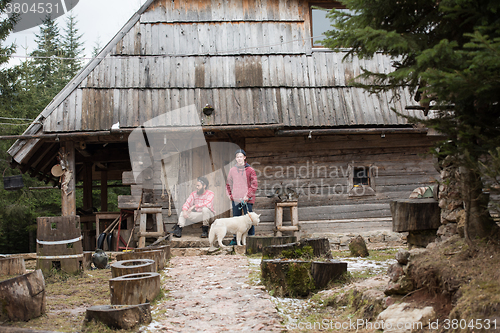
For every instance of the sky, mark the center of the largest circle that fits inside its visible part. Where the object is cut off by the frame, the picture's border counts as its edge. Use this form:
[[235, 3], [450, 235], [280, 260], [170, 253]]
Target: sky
[[97, 20]]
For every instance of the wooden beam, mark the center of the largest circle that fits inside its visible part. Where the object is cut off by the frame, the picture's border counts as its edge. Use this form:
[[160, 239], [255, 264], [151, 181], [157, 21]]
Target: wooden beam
[[172, 129], [68, 190], [343, 131]]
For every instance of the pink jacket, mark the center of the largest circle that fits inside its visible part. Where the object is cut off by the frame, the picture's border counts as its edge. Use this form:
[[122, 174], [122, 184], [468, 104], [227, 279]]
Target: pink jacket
[[250, 187]]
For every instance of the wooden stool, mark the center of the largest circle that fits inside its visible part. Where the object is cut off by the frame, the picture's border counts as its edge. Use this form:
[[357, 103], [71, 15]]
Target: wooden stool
[[278, 221], [144, 211]]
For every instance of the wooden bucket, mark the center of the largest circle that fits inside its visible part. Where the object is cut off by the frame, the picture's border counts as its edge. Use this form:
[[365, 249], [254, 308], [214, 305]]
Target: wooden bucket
[[59, 244]]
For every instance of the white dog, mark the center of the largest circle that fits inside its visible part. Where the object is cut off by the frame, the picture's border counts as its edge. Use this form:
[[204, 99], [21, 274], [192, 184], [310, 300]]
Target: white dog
[[238, 225]]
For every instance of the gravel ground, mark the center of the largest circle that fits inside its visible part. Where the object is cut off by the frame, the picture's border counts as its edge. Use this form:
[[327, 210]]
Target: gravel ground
[[213, 294]]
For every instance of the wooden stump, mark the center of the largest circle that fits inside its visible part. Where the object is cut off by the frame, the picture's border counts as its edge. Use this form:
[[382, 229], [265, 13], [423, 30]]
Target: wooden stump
[[133, 266], [87, 259], [23, 298], [156, 255], [120, 316], [415, 214], [164, 248], [255, 244], [134, 289], [320, 248], [287, 277], [12, 266], [325, 271]]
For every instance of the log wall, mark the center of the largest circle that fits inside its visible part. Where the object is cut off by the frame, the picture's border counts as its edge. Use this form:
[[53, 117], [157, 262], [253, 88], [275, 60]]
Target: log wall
[[320, 170]]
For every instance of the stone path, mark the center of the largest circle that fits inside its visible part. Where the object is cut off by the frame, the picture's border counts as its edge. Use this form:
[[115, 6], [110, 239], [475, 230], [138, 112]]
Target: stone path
[[212, 294]]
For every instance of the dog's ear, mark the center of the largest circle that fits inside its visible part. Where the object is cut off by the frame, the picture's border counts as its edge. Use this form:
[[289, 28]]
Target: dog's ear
[[259, 215]]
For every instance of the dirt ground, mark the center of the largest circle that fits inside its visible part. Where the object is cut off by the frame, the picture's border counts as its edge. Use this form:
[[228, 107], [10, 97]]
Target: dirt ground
[[214, 294]]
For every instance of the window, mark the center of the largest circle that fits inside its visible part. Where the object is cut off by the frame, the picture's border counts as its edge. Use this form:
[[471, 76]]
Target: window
[[319, 22], [360, 176], [362, 180]]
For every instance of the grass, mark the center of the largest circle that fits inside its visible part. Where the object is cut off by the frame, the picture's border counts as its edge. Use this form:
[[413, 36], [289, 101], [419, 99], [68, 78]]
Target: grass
[[68, 297]]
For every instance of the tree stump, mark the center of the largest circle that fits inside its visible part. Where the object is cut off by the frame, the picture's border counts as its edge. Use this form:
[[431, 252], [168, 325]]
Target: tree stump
[[287, 277], [415, 214], [23, 298], [320, 248], [164, 248], [156, 255], [120, 316], [134, 289], [133, 266], [325, 271], [12, 266], [255, 244]]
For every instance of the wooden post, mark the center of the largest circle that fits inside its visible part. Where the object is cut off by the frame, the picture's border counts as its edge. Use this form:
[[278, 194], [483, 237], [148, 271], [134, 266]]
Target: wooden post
[[68, 195], [87, 186], [278, 220], [104, 190]]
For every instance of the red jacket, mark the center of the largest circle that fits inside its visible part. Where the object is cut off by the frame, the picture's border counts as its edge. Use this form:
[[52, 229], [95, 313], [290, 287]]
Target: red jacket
[[250, 186]]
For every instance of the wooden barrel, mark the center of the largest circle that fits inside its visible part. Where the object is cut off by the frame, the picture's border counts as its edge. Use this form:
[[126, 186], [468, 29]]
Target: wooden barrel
[[156, 255], [134, 289], [12, 266], [59, 244], [134, 266]]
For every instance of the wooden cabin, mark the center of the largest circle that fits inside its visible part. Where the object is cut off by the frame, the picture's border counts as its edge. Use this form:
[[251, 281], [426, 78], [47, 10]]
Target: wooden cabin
[[290, 104]]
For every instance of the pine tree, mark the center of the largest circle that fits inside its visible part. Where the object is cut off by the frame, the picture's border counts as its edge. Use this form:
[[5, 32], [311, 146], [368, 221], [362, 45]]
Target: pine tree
[[97, 47], [72, 48], [447, 53], [48, 68]]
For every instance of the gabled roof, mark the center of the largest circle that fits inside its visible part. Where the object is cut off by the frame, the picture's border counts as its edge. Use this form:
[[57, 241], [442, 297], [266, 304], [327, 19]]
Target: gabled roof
[[255, 67]]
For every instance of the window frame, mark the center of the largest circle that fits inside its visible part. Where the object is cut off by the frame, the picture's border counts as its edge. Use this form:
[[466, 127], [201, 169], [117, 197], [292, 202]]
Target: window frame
[[326, 4], [361, 190]]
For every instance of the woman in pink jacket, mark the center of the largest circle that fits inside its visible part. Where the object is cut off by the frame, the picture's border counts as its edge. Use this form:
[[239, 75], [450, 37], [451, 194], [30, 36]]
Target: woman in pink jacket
[[241, 186]]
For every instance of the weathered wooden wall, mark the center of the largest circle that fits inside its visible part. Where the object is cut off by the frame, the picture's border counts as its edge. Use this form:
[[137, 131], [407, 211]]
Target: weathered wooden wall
[[318, 169]]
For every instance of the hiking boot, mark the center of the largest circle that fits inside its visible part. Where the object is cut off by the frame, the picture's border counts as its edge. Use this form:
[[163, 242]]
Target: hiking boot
[[204, 233], [177, 231]]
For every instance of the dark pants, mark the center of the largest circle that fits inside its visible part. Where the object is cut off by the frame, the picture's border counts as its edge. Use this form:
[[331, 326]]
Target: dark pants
[[239, 209]]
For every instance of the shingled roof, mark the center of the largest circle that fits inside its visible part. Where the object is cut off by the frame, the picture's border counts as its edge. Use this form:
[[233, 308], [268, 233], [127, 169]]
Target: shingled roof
[[255, 66]]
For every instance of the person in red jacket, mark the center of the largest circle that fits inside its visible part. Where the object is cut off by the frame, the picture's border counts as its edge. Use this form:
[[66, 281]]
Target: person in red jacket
[[241, 186], [199, 206]]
